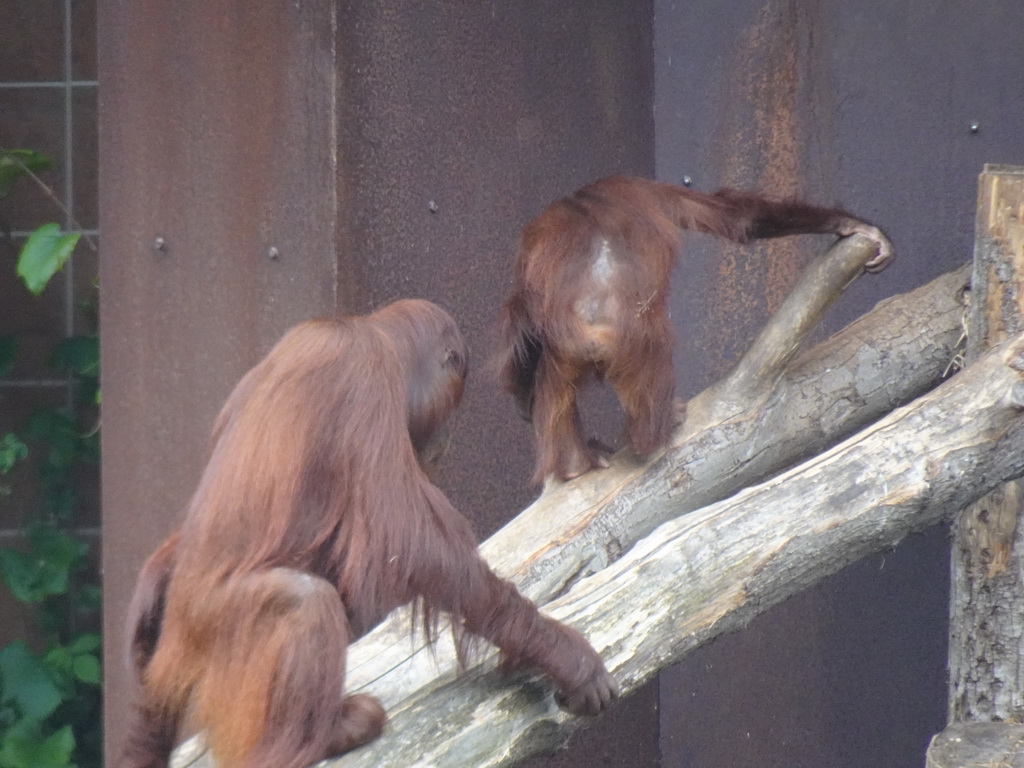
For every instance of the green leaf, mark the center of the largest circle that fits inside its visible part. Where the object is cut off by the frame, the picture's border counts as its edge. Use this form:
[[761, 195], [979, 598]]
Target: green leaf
[[57, 555], [90, 598], [56, 750], [87, 643], [57, 430], [27, 682], [11, 451], [87, 669], [8, 354], [16, 163], [57, 546], [59, 661], [24, 746], [43, 254], [78, 354], [46, 569], [18, 575]]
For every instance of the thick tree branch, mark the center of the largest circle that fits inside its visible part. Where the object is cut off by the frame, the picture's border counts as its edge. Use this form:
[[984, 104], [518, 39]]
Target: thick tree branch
[[820, 284], [889, 356]]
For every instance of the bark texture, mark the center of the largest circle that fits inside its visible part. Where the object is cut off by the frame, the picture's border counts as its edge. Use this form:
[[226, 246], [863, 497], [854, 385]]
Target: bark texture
[[985, 745], [986, 643]]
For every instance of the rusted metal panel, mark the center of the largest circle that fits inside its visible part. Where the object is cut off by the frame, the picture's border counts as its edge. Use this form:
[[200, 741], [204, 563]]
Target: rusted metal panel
[[463, 121], [386, 150], [889, 109], [217, 143]]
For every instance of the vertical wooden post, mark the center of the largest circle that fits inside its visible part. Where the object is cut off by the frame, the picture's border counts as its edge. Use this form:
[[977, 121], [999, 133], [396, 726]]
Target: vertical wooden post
[[986, 636]]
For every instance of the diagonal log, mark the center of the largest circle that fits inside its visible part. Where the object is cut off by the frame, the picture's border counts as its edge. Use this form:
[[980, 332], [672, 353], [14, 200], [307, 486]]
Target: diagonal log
[[712, 571], [819, 286]]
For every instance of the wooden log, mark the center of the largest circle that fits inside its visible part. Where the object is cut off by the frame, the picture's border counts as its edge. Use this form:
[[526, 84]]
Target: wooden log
[[984, 745], [986, 641], [712, 571], [754, 377]]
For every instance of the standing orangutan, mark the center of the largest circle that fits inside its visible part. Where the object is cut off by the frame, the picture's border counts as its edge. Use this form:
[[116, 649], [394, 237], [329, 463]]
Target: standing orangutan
[[589, 297], [313, 519]]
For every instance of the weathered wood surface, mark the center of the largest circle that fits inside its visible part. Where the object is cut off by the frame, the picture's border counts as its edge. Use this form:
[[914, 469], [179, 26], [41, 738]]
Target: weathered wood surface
[[986, 645], [712, 571], [978, 745]]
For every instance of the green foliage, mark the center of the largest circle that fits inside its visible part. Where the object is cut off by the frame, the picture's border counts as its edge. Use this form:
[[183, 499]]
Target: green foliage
[[28, 683], [43, 255], [49, 689], [45, 570], [80, 356], [26, 745], [47, 248], [11, 450], [49, 699]]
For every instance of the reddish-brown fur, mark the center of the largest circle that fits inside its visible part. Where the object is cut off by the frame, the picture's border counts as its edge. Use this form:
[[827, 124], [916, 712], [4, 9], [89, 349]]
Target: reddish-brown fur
[[313, 519], [589, 297]]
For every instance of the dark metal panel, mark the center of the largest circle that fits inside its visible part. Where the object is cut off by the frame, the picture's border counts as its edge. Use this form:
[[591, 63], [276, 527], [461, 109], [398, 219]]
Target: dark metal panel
[[387, 150], [217, 139], [463, 120], [869, 105]]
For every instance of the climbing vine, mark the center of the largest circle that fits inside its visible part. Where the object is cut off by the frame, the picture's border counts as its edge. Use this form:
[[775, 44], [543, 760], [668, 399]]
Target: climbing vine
[[50, 685]]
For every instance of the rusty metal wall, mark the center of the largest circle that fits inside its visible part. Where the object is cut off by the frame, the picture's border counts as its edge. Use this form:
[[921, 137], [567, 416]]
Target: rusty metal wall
[[462, 121], [869, 105], [385, 150], [217, 141]]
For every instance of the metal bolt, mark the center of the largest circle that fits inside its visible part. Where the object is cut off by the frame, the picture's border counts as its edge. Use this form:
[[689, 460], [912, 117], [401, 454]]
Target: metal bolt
[[687, 181], [273, 254]]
